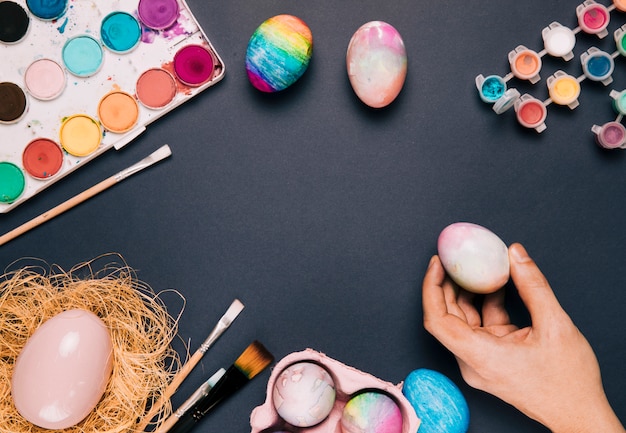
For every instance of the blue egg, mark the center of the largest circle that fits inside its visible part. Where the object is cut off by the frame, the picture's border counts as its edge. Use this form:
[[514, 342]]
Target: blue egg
[[437, 401]]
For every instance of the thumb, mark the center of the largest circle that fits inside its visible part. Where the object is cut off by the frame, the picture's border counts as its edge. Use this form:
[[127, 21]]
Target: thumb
[[533, 287]]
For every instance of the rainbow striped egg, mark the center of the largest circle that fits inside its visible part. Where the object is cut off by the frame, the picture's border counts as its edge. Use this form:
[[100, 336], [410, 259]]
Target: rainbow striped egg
[[371, 412], [278, 53]]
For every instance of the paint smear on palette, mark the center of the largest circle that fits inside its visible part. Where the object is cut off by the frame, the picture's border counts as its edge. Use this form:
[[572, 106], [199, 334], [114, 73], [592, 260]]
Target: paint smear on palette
[[180, 28], [180, 86]]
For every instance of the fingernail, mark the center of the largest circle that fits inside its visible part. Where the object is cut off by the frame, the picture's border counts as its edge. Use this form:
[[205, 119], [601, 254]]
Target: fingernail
[[519, 254], [432, 262]]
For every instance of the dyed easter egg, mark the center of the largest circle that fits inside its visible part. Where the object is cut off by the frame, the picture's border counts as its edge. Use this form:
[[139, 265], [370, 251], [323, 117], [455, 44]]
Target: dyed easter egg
[[371, 412], [304, 394], [377, 63], [63, 370], [474, 257], [278, 53], [437, 401]]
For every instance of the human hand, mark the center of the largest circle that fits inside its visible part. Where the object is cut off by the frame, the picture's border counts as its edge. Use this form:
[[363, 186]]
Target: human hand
[[547, 370]]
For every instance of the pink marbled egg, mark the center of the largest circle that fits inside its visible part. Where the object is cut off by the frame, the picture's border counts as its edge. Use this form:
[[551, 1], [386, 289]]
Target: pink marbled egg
[[304, 394], [377, 63], [474, 257]]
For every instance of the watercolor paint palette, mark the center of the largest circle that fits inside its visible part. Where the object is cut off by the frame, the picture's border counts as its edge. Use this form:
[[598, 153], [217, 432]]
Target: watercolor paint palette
[[80, 77]]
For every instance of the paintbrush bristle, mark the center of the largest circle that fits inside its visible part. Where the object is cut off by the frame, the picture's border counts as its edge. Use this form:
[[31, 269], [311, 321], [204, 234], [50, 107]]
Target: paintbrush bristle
[[253, 360], [233, 311]]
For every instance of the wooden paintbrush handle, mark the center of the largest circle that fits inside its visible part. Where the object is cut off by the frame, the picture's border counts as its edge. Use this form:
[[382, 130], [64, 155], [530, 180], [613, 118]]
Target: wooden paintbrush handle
[[59, 209], [170, 390]]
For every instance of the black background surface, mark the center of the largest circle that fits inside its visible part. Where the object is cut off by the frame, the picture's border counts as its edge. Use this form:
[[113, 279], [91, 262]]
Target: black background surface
[[321, 214]]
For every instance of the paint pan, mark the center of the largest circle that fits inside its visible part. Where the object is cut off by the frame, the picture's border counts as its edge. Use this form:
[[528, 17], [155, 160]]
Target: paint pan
[[118, 112], [47, 9], [13, 102], [156, 88], [158, 14], [194, 65], [80, 135], [14, 22], [12, 182], [42, 158], [45, 79], [120, 32]]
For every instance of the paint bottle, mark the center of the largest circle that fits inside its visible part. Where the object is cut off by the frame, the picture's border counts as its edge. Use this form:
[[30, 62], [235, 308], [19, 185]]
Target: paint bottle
[[593, 18], [490, 88], [563, 89], [598, 65], [559, 41], [611, 135], [531, 112], [525, 64]]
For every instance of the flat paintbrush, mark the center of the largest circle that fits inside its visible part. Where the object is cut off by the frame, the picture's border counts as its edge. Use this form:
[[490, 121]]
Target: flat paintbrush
[[251, 362], [194, 398], [224, 323]]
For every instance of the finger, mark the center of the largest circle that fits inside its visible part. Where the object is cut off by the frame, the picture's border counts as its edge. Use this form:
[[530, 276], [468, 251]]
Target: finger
[[533, 287], [450, 292], [433, 296], [452, 331], [494, 313], [466, 303]]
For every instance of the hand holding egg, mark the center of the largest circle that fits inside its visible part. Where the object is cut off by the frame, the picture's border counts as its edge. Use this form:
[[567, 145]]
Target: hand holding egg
[[474, 257]]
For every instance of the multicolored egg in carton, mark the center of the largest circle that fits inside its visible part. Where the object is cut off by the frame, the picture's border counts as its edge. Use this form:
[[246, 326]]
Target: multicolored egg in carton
[[308, 392]]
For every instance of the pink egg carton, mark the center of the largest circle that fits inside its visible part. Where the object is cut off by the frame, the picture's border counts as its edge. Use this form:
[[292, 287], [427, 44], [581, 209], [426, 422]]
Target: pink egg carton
[[348, 382]]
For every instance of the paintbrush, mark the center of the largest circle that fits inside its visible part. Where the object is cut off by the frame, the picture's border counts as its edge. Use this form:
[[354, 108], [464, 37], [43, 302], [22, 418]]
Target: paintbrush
[[194, 398], [156, 156], [251, 362], [224, 323]]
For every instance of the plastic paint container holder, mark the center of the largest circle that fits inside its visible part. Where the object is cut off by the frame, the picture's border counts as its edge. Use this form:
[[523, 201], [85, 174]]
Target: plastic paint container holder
[[14, 22], [620, 5], [619, 101], [593, 18], [563, 89], [559, 41], [598, 65], [531, 112], [525, 64], [611, 135], [620, 39]]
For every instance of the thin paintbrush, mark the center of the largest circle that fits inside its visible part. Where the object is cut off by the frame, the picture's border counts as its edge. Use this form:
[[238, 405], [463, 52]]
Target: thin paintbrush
[[251, 362], [224, 323], [161, 153], [198, 394]]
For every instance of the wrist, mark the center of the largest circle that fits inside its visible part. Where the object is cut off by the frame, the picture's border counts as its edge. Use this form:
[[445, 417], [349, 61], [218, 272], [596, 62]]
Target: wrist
[[594, 416]]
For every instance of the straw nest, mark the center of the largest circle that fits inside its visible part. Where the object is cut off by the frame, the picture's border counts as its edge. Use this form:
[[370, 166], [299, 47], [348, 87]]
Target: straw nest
[[141, 331]]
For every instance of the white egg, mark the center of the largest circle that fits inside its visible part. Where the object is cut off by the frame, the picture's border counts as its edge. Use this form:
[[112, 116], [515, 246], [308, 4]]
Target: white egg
[[63, 370], [474, 257]]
